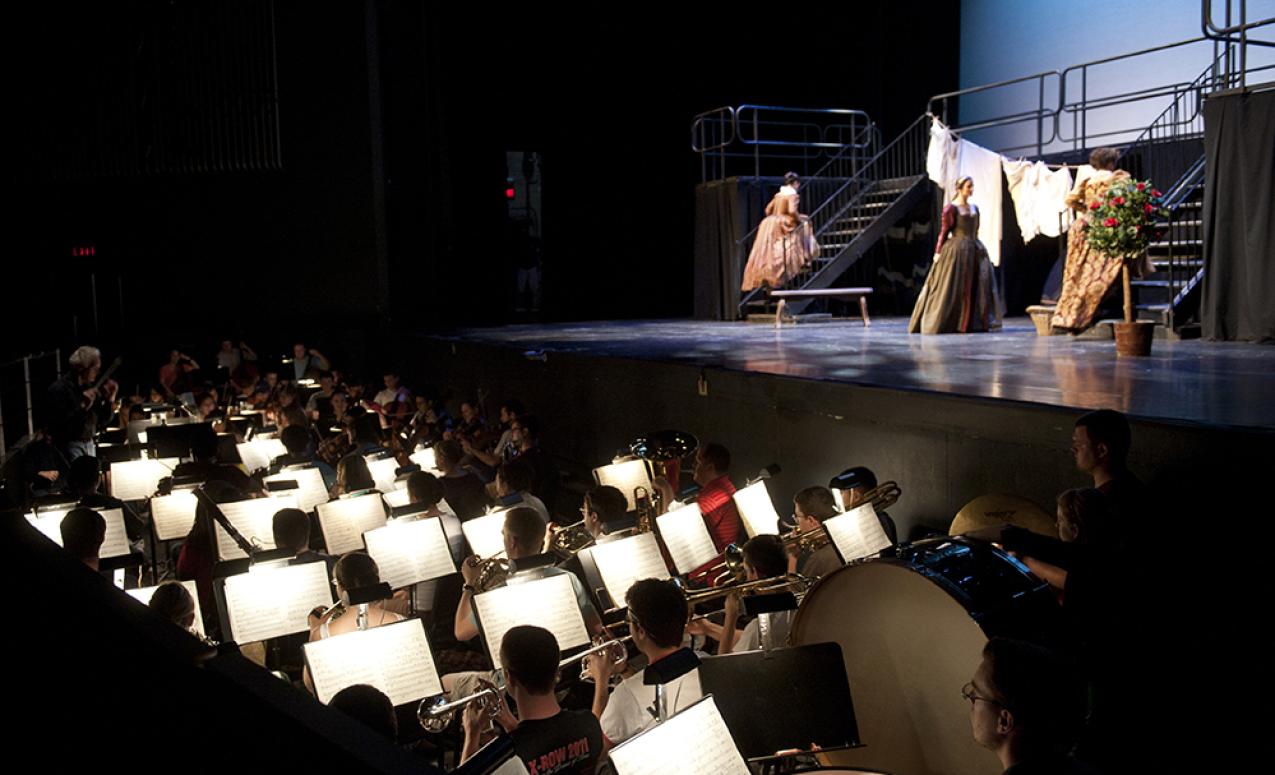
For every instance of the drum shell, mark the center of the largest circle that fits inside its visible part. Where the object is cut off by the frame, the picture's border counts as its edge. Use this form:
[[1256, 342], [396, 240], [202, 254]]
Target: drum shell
[[912, 630]]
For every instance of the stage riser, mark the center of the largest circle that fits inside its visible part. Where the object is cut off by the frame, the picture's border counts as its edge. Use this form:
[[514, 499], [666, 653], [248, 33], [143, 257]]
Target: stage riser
[[942, 450]]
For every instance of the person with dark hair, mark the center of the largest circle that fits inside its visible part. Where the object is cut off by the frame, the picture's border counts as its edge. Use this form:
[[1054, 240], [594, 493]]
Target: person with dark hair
[[504, 448], [1027, 706], [657, 620], [199, 551], [307, 362], [514, 478], [1088, 275], [547, 738], [318, 407], [393, 403], [811, 507], [960, 294], [785, 242], [716, 495], [174, 603], [75, 409], [603, 505], [764, 558], [291, 528], [423, 488], [355, 570], [300, 446], [1100, 444], [525, 432], [370, 707], [83, 532], [851, 486], [205, 466], [367, 434], [463, 491], [352, 475]]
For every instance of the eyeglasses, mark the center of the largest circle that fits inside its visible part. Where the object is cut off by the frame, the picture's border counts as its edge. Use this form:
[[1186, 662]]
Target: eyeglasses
[[967, 691]]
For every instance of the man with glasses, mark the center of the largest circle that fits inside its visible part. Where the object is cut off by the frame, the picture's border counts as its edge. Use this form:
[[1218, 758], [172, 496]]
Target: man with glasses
[[1026, 706], [811, 507]]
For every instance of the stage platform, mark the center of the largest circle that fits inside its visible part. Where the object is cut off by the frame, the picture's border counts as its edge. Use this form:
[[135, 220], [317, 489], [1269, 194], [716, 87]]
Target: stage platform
[[949, 417]]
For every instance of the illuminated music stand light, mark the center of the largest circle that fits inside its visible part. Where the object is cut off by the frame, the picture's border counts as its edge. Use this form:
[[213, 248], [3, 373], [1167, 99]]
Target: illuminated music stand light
[[344, 521], [310, 492], [757, 510], [548, 602], [687, 538], [623, 562], [410, 552], [254, 519], [395, 658], [143, 595], [174, 514], [484, 534], [694, 740], [137, 480], [383, 472], [857, 533], [625, 477], [272, 601], [425, 458], [258, 453], [115, 545]]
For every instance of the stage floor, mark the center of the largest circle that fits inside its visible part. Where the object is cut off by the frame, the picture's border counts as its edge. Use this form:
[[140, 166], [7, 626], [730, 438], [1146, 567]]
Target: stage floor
[[1214, 384]]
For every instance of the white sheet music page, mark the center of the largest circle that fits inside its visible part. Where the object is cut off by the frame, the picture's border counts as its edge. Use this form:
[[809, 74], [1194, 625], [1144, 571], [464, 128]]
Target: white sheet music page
[[173, 514], [344, 521], [695, 740], [549, 603], [686, 537], [410, 552], [310, 492], [270, 602], [757, 510], [396, 498], [144, 595], [115, 545], [628, 560], [625, 477], [857, 533], [383, 472], [137, 480], [484, 534], [259, 452], [254, 519], [425, 459], [395, 658]]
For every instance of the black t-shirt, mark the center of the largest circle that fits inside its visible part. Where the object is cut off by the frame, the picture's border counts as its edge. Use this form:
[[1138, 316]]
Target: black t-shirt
[[569, 742]]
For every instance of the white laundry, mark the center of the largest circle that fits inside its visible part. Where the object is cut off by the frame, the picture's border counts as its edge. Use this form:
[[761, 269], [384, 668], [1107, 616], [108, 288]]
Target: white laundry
[[948, 159], [1039, 195]]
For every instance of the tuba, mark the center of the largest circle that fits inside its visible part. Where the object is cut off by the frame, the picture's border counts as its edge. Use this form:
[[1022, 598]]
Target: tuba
[[663, 452]]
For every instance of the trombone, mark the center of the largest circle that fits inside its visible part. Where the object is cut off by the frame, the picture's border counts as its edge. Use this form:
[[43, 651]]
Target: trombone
[[793, 582]]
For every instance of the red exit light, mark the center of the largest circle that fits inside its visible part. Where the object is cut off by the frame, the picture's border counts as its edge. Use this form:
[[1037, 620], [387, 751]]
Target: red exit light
[[509, 193], [84, 251]]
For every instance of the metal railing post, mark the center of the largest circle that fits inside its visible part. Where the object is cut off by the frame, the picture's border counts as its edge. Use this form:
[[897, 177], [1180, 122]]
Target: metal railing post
[[26, 376], [57, 357]]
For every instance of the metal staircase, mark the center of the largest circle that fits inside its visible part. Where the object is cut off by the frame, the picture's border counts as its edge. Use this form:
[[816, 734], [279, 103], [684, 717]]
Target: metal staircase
[[1170, 296], [856, 214]]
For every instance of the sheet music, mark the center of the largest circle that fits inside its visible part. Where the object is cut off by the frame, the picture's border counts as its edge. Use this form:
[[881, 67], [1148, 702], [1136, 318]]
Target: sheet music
[[410, 552], [695, 740], [484, 534], [259, 452], [512, 766], [383, 473], [686, 537], [254, 519], [137, 480], [757, 510], [270, 602], [394, 658], [173, 514], [310, 492], [395, 498], [344, 521], [628, 560], [144, 595], [424, 458], [857, 533], [549, 602], [115, 543], [625, 477]]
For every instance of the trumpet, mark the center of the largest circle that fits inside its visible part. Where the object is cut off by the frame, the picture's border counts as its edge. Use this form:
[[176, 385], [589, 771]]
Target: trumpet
[[435, 715], [615, 646], [793, 582], [805, 540]]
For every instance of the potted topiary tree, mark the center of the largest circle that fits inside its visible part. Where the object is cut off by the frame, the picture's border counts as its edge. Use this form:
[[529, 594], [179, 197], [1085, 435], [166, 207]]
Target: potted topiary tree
[[1122, 226]]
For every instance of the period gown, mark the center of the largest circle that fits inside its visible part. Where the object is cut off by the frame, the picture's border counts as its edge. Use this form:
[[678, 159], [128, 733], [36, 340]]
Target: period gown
[[960, 294], [784, 246], [1088, 274]]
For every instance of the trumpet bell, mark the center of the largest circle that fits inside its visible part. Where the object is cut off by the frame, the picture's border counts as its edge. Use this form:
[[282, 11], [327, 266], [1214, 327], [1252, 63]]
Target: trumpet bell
[[432, 719]]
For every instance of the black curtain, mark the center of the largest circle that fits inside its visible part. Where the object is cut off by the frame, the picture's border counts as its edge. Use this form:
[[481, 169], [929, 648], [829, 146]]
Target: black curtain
[[725, 211], [1239, 217]]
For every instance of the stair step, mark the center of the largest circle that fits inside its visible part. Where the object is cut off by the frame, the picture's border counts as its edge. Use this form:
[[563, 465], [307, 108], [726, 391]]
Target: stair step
[[1152, 307], [1181, 263], [1151, 283], [1176, 243]]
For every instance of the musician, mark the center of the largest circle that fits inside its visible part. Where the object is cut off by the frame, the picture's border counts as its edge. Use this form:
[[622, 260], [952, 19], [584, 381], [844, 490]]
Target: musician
[[319, 405], [525, 433], [524, 535], [173, 602], [547, 738], [603, 505], [811, 507], [205, 466], [852, 486], [715, 497], [764, 558], [352, 476], [83, 532], [1100, 444], [308, 362], [423, 488], [392, 402], [355, 570], [463, 491], [1026, 706], [85, 481], [504, 449], [657, 620], [298, 442], [291, 529], [76, 408], [514, 478], [44, 468]]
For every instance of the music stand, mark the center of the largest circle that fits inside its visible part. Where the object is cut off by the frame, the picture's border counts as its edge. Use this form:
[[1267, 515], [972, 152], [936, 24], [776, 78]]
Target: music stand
[[809, 685]]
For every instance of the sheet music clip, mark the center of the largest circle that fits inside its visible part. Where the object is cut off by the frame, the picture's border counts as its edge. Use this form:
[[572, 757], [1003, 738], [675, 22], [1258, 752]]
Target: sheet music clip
[[670, 668], [272, 558], [402, 472], [280, 485], [755, 605]]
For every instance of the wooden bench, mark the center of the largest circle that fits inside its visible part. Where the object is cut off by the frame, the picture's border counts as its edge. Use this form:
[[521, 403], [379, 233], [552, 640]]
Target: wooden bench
[[822, 293]]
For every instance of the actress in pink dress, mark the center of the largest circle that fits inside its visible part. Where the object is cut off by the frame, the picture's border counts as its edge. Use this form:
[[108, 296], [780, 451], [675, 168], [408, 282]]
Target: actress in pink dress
[[785, 243]]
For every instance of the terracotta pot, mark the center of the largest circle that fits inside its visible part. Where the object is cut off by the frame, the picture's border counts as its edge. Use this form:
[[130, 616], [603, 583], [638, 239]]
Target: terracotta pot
[[1134, 339]]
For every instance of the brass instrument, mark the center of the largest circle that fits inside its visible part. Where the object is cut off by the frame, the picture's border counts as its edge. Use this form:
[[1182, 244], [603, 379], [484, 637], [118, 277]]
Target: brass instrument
[[615, 646], [883, 496], [731, 567], [663, 451], [647, 507], [493, 572], [569, 540], [436, 714], [805, 540], [793, 582]]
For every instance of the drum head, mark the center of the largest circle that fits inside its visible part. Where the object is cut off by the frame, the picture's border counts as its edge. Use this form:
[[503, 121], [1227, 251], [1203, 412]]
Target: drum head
[[994, 510], [908, 648]]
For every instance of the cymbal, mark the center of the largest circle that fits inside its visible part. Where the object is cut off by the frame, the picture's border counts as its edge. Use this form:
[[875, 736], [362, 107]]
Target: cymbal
[[1003, 509]]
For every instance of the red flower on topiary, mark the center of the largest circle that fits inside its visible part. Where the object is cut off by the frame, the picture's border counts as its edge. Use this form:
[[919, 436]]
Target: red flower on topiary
[[1111, 222], [1095, 205], [1118, 200], [1148, 209], [1155, 192], [1142, 186]]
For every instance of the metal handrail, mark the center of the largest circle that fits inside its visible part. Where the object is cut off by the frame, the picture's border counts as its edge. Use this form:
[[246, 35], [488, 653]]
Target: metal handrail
[[746, 131], [697, 122], [1207, 25]]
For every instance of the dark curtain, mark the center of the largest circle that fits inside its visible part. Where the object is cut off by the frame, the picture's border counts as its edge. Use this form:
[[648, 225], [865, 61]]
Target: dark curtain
[[725, 211], [1239, 217]]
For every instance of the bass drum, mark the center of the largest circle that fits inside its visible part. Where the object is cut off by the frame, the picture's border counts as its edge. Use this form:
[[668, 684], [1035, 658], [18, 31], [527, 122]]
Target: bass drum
[[912, 629]]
